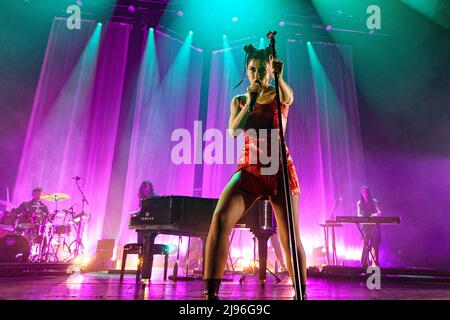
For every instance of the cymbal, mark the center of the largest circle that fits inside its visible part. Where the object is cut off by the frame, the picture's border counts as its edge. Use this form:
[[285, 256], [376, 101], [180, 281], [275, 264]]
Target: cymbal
[[55, 197]]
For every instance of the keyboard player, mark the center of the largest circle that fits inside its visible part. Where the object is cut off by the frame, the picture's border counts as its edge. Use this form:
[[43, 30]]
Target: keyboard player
[[367, 206]]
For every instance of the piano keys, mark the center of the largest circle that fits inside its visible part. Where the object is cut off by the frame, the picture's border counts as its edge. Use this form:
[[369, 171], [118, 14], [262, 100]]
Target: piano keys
[[367, 220]]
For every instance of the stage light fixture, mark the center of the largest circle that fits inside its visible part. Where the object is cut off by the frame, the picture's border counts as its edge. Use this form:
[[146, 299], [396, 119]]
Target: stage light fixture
[[282, 23], [235, 19], [328, 28], [131, 8], [180, 13], [173, 248]]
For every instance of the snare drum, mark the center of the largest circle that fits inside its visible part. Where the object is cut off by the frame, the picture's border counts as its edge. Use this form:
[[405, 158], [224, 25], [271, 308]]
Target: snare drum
[[14, 248], [61, 229]]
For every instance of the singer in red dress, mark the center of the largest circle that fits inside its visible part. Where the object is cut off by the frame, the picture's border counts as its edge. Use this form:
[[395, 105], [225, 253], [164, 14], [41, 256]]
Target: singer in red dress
[[251, 112]]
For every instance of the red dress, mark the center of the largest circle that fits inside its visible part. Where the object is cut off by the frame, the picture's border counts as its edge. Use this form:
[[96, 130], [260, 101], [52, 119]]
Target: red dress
[[263, 116]]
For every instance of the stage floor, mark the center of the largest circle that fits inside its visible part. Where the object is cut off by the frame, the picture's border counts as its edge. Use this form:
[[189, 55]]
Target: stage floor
[[104, 286]]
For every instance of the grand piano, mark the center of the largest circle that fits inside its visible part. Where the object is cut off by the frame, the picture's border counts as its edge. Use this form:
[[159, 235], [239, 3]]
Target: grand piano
[[191, 217]]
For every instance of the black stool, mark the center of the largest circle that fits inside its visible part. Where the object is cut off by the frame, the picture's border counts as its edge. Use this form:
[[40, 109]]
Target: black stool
[[136, 248]]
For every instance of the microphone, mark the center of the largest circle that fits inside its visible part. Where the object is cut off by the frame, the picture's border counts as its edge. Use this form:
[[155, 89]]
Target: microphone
[[271, 34], [253, 97], [77, 178]]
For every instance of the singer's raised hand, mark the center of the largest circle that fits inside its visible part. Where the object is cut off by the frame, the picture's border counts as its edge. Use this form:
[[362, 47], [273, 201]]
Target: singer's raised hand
[[286, 93], [276, 66]]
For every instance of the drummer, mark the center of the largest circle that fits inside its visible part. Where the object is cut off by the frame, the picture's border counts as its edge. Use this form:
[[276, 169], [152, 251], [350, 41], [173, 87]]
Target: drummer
[[32, 211]]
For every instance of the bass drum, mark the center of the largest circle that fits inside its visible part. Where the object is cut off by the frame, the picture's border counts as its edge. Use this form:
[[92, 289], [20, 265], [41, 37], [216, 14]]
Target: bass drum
[[14, 248]]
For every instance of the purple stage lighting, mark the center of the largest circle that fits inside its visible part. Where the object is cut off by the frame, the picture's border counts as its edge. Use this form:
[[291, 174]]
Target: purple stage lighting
[[131, 8], [328, 28], [282, 23], [180, 13]]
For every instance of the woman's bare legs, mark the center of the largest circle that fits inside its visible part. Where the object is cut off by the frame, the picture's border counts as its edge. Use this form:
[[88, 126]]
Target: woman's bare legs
[[275, 240], [279, 207], [232, 204]]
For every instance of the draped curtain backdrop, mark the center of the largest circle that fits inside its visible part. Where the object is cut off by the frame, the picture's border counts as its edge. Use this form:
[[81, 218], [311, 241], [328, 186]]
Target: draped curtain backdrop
[[167, 98], [72, 130]]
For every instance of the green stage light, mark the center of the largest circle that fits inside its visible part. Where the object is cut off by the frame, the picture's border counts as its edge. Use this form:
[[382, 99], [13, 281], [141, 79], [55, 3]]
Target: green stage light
[[149, 71], [230, 70], [261, 44], [322, 83]]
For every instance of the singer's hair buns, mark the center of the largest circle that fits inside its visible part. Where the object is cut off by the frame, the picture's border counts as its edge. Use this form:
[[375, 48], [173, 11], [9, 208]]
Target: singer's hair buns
[[253, 53]]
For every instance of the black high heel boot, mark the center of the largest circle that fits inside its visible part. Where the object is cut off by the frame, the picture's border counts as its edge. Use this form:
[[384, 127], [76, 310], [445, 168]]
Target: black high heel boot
[[304, 296], [212, 289]]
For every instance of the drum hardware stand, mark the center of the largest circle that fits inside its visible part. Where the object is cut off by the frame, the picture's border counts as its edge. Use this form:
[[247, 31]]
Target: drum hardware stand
[[331, 224], [46, 241], [230, 260], [287, 194], [229, 252], [78, 241], [369, 243], [44, 245], [187, 276], [253, 272]]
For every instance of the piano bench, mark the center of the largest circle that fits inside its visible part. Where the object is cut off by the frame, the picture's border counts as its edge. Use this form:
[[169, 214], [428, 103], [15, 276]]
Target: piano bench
[[136, 248]]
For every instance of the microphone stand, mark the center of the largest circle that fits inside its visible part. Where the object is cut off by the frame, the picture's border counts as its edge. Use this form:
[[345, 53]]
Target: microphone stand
[[83, 201], [287, 193], [336, 202], [332, 224]]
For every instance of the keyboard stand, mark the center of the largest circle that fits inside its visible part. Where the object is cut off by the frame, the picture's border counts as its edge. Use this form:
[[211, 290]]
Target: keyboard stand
[[369, 243]]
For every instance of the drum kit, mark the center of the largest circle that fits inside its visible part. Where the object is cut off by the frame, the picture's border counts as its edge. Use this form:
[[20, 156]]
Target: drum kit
[[38, 236]]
